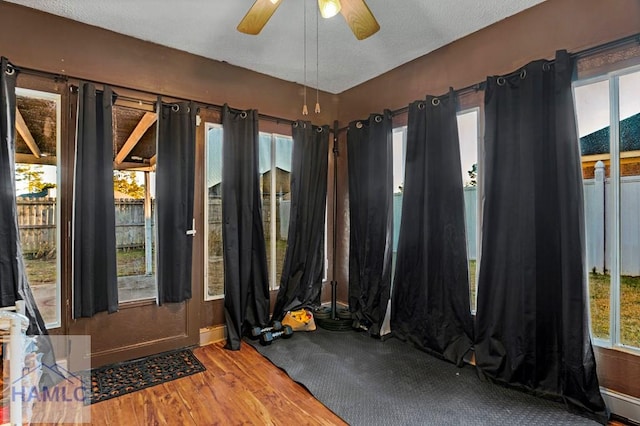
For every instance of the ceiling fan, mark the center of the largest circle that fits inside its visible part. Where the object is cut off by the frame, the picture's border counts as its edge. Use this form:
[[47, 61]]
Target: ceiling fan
[[356, 12]]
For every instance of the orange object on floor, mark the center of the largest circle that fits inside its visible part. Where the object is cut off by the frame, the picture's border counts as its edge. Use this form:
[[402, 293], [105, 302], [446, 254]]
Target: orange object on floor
[[300, 320]]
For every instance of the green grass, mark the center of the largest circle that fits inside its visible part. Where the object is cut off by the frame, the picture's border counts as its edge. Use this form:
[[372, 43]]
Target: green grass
[[599, 285], [215, 285], [131, 262], [43, 270]]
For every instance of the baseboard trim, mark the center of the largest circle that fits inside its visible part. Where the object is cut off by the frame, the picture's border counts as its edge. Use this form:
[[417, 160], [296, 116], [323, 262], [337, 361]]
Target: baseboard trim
[[213, 334], [622, 405]]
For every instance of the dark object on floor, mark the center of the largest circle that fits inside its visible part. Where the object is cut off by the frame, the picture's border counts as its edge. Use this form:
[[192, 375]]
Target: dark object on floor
[[342, 321], [257, 331], [122, 378], [268, 337], [367, 381]]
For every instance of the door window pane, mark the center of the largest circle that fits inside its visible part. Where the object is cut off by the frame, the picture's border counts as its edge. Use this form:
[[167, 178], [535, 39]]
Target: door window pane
[[629, 130], [134, 199], [592, 112], [37, 181], [214, 266]]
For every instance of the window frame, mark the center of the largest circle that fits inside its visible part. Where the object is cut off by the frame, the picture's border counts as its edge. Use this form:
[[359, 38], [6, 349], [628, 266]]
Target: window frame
[[478, 187], [274, 285], [205, 206], [57, 99], [613, 77]]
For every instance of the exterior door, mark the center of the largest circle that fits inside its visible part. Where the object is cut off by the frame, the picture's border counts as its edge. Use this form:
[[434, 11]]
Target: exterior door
[[140, 327]]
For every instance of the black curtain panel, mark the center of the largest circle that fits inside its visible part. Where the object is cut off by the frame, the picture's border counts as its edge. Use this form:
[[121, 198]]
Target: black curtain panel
[[430, 303], [175, 173], [95, 281], [369, 148], [301, 280], [14, 283], [246, 281], [531, 324]]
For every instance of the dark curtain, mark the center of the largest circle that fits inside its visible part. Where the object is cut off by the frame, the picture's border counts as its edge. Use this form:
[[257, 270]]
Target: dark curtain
[[430, 303], [301, 280], [246, 301], [174, 197], [14, 284], [369, 148], [95, 281], [531, 323]]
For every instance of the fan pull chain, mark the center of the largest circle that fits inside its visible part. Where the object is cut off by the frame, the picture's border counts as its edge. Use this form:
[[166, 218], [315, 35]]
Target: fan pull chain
[[317, 109], [305, 111]]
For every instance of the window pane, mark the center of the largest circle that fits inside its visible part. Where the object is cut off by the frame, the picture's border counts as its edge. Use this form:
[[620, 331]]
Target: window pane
[[134, 199], [592, 112], [629, 87], [265, 160], [275, 153], [214, 268], [399, 156], [282, 190], [37, 180], [468, 136]]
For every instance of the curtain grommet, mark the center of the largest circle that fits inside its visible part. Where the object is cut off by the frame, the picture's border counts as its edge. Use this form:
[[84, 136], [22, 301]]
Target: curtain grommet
[[175, 107], [435, 101], [421, 105], [243, 114], [10, 70], [378, 119], [359, 125], [523, 74], [501, 81], [319, 129], [295, 124], [546, 66]]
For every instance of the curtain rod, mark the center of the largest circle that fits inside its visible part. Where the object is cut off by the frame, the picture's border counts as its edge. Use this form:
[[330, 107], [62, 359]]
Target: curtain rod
[[464, 90], [576, 55], [206, 105]]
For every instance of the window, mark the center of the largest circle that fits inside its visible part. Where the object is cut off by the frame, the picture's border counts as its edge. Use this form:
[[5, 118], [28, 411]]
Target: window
[[214, 265], [468, 136], [275, 186], [134, 198], [37, 180], [468, 131], [399, 146], [608, 119], [275, 155]]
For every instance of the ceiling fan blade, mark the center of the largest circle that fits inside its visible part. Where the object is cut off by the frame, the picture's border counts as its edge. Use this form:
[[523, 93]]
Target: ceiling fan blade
[[359, 18], [257, 16]]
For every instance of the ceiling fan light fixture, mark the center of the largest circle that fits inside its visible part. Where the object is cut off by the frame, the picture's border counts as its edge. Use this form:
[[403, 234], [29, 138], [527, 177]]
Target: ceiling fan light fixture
[[329, 8]]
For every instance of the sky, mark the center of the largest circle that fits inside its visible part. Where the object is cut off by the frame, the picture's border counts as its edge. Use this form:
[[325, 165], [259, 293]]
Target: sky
[[592, 102], [468, 135]]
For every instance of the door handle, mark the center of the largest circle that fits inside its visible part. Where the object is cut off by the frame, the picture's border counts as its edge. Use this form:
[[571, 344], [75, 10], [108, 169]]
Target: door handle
[[192, 231]]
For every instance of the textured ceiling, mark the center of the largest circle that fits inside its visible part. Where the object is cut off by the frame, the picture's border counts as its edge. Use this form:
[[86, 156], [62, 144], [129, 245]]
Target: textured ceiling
[[409, 29]]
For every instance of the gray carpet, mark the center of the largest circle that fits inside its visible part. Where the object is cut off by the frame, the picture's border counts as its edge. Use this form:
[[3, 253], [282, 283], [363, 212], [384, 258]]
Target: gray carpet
[[369, 382]]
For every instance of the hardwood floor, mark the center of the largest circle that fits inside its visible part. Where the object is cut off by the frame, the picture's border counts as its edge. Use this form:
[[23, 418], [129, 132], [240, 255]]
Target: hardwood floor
[[239, 387]]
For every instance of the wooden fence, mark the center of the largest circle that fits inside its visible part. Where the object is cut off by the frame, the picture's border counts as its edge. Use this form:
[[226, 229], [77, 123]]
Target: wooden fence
[[37, 224]]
